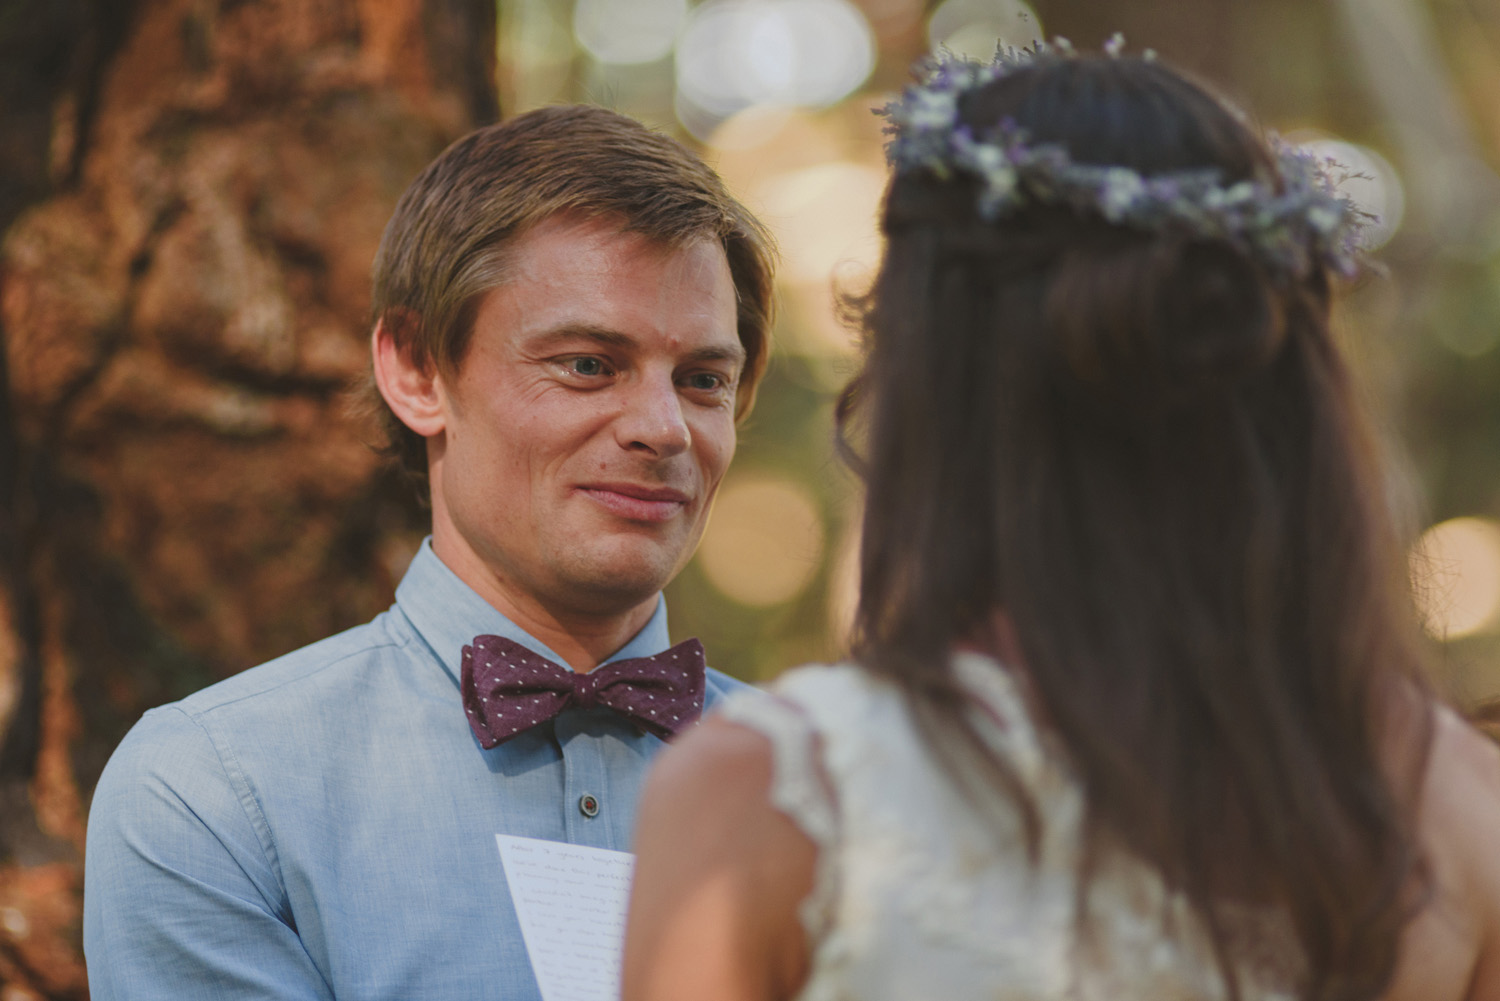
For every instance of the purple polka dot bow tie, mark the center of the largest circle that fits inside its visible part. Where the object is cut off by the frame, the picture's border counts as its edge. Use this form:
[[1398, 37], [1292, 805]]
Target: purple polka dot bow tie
[[508, 689]]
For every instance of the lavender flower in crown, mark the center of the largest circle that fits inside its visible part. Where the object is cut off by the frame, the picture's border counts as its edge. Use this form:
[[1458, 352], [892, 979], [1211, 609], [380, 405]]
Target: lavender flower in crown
[[1294, 226]]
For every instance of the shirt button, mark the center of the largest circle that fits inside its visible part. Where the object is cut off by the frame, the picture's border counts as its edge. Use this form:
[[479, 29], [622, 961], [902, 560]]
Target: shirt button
[[588, 805]]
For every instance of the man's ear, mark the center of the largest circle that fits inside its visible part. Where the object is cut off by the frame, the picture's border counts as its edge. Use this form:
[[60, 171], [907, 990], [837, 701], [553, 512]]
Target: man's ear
[[410, 389]]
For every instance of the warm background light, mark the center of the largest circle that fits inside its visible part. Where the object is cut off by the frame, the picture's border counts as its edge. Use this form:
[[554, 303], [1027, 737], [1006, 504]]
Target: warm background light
[[1455, 569], [764, 542], [825, 215]]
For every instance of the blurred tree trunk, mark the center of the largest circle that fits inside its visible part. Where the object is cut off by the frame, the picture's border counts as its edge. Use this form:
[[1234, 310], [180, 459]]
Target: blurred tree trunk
[[191, 192]]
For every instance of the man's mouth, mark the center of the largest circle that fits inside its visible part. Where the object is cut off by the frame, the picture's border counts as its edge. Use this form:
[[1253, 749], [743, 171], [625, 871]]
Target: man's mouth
[[635, 502]]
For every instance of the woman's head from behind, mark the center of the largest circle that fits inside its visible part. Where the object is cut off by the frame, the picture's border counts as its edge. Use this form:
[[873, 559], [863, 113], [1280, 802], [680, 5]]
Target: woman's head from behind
[[1101, 405]]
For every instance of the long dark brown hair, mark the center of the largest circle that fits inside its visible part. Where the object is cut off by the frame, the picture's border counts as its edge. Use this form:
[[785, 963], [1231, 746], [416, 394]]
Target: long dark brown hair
[[1143, 454]]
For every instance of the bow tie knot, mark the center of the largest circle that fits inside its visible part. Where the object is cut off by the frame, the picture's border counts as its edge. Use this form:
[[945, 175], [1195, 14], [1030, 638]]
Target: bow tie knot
[[585, 691], [508, 689]]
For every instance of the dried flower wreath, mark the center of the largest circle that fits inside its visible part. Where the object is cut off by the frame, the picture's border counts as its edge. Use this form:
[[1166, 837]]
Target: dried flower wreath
[[1291, 223]]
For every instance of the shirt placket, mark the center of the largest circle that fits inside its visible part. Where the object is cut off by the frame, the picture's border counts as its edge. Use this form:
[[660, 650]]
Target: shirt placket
[[587, 806]]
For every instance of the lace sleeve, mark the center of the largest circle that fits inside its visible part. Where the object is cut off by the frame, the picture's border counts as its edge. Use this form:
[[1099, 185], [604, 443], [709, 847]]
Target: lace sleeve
[[799, 789]]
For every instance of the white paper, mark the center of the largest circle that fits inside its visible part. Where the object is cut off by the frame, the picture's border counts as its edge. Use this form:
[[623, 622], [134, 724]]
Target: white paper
[[571, 902]]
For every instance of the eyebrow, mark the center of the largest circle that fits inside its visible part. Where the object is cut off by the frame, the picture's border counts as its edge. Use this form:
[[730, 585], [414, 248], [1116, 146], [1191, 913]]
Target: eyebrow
[[734, 353]]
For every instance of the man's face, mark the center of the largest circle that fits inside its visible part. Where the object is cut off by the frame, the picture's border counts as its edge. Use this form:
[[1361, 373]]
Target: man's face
[[592, 417]]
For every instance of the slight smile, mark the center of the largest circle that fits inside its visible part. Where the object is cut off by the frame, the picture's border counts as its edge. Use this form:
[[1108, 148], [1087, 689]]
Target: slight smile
[[637, 503]]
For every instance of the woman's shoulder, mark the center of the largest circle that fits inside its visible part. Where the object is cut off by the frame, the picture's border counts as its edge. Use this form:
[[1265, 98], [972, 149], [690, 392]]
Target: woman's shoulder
[[1459, 816], [811, 683], [1463, 755], [1452, 947], [828, 699]]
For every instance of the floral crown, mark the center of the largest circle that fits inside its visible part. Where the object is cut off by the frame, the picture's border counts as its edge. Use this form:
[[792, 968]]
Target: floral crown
[[1292, 224]]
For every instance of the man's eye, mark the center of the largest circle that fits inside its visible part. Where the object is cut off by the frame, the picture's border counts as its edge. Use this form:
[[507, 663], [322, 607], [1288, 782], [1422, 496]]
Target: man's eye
[[587, 365], [706, 381]]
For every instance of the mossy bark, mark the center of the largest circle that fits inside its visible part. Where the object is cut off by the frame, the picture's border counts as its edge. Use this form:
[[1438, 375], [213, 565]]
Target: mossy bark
[[191, 192]]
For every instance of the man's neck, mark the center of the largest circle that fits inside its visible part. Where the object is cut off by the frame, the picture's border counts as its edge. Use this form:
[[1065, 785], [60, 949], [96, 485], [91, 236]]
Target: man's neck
[[581, 639]]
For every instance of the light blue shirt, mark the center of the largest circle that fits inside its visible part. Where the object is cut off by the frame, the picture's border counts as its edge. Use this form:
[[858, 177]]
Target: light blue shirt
[[323, 826]]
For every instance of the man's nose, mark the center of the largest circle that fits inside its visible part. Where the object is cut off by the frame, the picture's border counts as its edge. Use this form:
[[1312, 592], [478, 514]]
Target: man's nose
[[653, 420]]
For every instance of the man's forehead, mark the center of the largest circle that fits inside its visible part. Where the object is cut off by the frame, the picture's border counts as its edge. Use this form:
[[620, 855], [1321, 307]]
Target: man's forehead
[[576, 235], [589, 278]]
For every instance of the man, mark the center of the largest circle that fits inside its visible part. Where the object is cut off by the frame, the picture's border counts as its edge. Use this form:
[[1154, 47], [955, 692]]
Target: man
[[571, 315]]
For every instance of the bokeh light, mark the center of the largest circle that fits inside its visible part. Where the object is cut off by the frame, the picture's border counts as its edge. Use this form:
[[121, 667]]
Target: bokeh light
[[734, 54], [628, 31], [765, 541], [1373, 183], [972, 27], [824, 217], [1455, 569], [751, 128], [815, 178]]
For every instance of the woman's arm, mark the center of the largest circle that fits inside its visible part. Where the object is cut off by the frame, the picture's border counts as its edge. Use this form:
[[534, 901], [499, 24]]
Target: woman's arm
[[719, 875]]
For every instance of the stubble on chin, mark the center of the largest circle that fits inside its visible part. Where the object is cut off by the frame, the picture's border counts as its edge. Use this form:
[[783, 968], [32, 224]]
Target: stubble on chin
[[614, 576]]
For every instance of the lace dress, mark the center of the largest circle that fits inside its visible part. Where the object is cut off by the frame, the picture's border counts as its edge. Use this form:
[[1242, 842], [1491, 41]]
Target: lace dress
[[916, 897]]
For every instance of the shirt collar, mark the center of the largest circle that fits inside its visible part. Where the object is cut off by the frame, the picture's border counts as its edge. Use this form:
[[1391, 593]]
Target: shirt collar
[[448, 614]]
